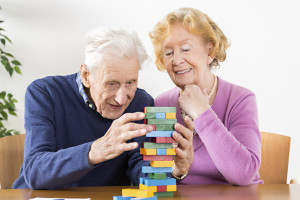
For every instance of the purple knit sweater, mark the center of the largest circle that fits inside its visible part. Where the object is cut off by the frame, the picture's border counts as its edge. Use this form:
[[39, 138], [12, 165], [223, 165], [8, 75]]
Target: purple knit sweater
[[227, 146]]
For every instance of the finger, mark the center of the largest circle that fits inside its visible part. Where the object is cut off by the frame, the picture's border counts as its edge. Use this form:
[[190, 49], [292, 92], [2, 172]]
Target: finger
[[129, 146], [205, 91], [135, 126], [179, 153], [182, 142], [185, 132], [189, 123], [129, 117], [128, 135]]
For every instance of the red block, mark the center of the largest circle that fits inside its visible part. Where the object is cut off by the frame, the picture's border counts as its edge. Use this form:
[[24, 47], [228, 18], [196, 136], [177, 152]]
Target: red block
[[145, 121], [153, 126], [163, 140], [162, 188], [158, 157]]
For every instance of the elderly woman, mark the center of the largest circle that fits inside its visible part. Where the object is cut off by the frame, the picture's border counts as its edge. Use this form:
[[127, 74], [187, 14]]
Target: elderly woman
[[217, 134]]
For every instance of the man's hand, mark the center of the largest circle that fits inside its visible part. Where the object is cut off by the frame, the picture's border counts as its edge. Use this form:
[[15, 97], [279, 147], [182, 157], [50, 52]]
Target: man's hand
[[113, 143]]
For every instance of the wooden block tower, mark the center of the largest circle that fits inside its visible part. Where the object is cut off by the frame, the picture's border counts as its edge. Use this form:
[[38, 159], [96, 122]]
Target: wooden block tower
[[160, 153]]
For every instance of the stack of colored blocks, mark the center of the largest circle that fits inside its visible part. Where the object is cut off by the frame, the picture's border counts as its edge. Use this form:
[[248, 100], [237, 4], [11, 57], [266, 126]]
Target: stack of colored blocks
[[160, 153]]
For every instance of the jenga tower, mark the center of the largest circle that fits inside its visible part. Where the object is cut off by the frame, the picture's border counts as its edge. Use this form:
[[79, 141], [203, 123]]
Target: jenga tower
[[160, 153]]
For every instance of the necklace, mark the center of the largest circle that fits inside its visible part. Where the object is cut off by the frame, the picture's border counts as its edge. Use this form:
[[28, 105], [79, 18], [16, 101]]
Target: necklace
[[214, 87]]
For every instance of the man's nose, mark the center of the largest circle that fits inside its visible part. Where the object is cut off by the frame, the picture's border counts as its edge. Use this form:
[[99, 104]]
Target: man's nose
[[121, 96]]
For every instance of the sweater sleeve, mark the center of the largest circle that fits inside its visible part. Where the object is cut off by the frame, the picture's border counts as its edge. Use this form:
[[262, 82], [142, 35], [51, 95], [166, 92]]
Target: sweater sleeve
[[236, 150], [44, 166]]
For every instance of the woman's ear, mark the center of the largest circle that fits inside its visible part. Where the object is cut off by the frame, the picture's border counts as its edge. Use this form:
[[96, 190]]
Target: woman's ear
[[210, 57], [85, 76]]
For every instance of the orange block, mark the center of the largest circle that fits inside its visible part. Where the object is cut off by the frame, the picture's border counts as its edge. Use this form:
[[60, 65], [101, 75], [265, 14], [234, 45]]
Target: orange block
[[170, 115], [137, 193], [148, 188], [171, 152], [147, 151], [171, 188], [155, 163]]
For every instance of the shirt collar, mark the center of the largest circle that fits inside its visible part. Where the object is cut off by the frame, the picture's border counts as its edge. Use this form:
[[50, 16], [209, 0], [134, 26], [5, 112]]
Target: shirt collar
[[83, 93]]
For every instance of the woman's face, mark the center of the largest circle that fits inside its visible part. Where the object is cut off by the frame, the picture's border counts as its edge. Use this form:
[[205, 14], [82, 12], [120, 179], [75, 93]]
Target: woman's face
[[186, 57]]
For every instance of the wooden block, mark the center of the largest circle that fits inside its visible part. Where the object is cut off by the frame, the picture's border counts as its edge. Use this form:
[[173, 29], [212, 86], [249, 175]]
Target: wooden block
[[158, 157], [149, 169], [122, 198], [136, 193], [157, 175], [162, 121], [161, 127], [170, 115], [161, 109], [148, 188], [150, 115], [160, 115], [163, 140], [161, 151], [152, 145], [149, 198], [169, 127], [154, 127], [164, 194], [147, 151], [153, 182], [162, 188], [145, 121], [159, 134], [155, 163], [171, 152], [171, 188]]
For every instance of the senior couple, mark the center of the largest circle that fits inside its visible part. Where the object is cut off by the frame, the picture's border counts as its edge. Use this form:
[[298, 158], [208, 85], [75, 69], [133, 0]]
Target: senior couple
[[85, 129]]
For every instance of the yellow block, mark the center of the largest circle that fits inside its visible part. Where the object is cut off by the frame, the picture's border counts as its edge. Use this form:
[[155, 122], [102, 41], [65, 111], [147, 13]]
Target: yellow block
[[148, 151], [170, 115], [155, 163], [137, 193], [171, 152], [148, 188], [171, 188]]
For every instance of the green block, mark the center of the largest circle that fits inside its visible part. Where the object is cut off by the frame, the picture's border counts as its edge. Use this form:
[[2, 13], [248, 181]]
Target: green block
[[157, 175], [161, 127], [162, 121], [161, 109], [169, 127], [149, 115], [164, 194], [152, 145]]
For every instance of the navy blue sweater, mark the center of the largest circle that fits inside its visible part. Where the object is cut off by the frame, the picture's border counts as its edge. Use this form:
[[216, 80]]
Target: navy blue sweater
[[60, 128]]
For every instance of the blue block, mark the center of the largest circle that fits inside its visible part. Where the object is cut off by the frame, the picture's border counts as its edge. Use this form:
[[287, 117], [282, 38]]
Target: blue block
[[149, 169], [149, 198], [159, 134], [157, 182], [161, 151], [121, 198], [160, 115]]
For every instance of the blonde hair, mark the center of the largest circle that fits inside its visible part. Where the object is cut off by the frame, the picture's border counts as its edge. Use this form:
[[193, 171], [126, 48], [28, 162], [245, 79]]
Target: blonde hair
[[197, 23]]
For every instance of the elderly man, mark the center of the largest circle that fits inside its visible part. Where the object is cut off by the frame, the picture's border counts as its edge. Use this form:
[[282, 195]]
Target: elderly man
[[84, 129]]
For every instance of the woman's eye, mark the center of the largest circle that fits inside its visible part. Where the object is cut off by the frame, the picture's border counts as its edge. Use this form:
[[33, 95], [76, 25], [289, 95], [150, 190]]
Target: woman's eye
[[168, 53], [186, 48]]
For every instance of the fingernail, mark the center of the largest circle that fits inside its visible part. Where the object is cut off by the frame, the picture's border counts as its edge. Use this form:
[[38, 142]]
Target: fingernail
[[141, 115], [143, 131]]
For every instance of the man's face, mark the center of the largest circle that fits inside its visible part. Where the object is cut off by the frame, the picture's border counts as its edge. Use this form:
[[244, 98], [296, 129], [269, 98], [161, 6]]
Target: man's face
[[112, 85]]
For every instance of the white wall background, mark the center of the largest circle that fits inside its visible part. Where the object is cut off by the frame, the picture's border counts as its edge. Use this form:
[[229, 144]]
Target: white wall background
[[49, 39]]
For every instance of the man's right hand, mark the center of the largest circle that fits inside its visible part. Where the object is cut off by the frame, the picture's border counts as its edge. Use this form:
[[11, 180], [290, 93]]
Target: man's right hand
[[113, 143]]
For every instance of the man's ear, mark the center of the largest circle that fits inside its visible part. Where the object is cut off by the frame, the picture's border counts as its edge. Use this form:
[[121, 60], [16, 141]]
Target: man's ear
[[85, 76]]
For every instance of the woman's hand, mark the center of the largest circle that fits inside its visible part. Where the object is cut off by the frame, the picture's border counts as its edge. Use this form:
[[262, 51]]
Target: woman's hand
[[184, 152], [193, 101]]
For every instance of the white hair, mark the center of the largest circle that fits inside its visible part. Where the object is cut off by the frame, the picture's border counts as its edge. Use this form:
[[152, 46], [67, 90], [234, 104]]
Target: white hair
[[107, 44]]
